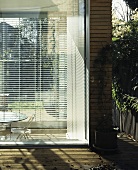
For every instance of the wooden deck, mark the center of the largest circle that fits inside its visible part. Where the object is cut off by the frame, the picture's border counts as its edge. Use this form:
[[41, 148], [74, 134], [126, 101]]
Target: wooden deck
[[126, 158]]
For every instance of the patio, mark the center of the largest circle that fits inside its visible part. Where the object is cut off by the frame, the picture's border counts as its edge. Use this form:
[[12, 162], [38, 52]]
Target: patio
[[65, 158]]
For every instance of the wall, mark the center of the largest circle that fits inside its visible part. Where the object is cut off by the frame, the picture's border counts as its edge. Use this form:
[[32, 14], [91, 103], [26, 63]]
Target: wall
[[100, 36]]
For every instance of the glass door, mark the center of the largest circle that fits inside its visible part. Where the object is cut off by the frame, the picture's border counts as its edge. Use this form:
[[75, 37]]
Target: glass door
[[43, 70]]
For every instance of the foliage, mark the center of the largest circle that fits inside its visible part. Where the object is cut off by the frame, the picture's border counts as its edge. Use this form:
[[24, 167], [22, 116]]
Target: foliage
[[119, 28], [131, 102], [125, 64]]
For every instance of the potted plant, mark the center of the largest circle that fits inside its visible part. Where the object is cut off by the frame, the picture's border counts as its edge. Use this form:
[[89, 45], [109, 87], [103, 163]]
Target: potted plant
[[105, 134]]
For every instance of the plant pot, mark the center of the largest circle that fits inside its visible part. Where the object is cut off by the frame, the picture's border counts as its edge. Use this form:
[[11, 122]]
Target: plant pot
[[106, 140]]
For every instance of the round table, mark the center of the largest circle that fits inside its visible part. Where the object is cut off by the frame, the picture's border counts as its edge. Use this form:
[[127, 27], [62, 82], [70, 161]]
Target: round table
[[8, 117]]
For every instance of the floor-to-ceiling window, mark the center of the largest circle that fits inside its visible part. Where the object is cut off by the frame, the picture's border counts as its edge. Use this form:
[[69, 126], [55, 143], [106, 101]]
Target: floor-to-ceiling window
[[43, 69]]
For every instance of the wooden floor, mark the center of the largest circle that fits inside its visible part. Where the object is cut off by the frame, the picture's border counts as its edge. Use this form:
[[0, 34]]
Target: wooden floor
[[126, 158]]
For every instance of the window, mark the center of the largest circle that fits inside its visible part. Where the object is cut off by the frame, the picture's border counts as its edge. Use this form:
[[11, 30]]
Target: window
[[34, 63]]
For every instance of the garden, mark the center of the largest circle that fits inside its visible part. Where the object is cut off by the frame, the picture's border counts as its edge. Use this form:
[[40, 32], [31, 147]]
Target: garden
[[125, 72]]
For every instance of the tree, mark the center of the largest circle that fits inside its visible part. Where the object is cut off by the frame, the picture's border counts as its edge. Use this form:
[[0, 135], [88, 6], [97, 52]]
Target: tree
[[125, 62], [133, 4]]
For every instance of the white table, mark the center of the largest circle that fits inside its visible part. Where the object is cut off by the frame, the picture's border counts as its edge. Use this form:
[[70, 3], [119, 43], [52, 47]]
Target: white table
[[8, 117]]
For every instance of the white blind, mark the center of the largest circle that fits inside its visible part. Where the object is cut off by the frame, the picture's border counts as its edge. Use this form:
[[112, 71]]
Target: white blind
[[33, 65], [76, 80]]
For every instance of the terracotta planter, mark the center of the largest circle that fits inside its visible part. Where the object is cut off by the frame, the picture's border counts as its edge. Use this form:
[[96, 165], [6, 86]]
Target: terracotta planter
[[106, 140]]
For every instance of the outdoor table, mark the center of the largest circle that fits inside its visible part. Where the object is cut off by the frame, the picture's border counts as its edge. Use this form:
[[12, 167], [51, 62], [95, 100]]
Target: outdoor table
[[9, 117]]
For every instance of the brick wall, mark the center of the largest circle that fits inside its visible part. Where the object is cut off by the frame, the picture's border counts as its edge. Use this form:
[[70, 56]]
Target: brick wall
[[100, 36]]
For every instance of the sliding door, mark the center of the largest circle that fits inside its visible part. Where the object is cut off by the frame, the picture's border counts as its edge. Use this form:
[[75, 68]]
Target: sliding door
[[33, 65], [43, 64]]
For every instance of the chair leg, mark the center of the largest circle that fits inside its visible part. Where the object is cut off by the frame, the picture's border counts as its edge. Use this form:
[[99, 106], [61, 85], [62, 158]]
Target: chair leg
[[22, 135], [25, 135], [19, 136], [28, 136]]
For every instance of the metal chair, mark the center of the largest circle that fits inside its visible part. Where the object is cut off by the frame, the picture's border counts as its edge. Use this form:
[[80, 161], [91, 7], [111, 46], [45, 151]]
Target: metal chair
[[4, 131], [23, 131]]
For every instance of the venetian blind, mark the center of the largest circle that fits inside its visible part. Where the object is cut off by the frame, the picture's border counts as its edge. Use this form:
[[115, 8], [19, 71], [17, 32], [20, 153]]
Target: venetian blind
[[76, 78], [33, 65]]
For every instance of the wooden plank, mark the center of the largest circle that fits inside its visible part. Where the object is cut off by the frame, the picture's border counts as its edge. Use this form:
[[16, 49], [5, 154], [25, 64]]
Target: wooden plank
[[62, 156], [101, 12], [42, 159], [100, 41], [100, 4], [101, 8], [101, 27], [52, 167]]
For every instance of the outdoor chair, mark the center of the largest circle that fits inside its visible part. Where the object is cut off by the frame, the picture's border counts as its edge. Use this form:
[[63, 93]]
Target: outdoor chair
[[4, 131], [23, 131]]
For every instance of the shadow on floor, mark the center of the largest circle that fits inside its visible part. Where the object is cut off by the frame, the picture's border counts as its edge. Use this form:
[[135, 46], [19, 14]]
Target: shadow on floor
[[56, 159], [42, 159]]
